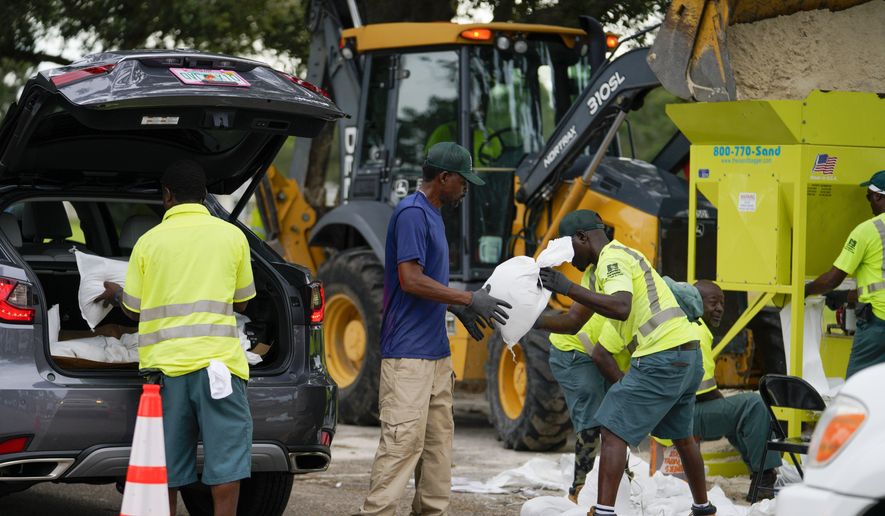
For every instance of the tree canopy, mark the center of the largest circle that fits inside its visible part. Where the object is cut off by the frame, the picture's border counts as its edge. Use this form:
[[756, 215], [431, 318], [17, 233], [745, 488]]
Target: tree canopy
[[276, 28]]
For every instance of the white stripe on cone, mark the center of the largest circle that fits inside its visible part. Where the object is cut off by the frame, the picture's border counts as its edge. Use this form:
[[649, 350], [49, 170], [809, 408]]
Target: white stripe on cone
[[140, 499], [148, 437], [148, 449]]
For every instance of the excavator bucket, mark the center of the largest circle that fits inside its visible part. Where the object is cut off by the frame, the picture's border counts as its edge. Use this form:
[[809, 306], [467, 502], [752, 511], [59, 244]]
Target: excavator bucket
[[690, 53]]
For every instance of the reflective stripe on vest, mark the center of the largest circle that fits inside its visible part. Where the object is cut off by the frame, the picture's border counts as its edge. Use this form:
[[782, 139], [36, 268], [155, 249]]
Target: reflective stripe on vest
[[182, 309], [585, 341], [658, 316], [182, 332], [879, 285], [709, 383], [131, 301], [244, 292]]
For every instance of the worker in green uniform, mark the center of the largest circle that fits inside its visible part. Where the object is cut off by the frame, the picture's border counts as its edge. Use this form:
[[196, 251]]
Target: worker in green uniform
[[741, 418], [582, 385], [862, 257], [657, 394]]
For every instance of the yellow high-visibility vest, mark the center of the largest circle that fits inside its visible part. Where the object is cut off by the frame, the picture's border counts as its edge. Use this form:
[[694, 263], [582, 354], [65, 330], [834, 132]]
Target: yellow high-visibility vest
[[184, 276]]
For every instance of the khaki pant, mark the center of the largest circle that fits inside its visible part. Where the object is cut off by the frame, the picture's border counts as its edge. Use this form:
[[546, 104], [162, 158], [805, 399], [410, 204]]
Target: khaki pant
[[417, 426]]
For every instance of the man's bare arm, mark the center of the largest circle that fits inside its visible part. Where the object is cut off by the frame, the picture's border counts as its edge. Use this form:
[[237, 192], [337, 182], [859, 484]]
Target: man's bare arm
[[826, 282], [616, 306], [568, 323], [415, 282], [606, 364]]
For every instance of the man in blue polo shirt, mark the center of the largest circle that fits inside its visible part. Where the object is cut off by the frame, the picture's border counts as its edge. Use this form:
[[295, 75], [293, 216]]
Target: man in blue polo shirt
[[415, 393]]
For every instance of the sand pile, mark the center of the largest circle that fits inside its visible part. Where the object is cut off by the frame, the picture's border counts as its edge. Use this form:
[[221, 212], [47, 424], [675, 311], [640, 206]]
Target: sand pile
[[788, 56]]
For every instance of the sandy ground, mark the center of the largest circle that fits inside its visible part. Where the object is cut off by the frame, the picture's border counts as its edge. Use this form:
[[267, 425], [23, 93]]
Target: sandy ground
[[788, 56], [339, 491]]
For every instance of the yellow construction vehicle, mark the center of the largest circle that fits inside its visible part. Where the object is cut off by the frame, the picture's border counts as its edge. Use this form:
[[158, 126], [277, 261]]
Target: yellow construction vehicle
[[540, 107]]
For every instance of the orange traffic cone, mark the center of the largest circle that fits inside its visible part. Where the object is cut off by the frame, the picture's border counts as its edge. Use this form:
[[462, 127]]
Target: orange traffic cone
[[146, 489]]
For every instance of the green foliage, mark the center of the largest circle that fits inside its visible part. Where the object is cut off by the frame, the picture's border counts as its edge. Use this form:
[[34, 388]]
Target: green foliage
[[631, 13], [243, 27], [650, 125]]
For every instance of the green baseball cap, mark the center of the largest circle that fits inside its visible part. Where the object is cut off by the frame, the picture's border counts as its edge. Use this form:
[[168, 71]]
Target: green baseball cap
[[451, 157], [580, 220], [877, 181]]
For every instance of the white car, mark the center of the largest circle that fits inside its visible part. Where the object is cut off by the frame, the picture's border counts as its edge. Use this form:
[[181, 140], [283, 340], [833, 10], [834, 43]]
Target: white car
[[846, 461]]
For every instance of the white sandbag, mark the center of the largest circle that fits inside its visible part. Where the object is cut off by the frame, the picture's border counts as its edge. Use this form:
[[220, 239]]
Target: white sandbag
[[245, 343], [94, 271], [812, 364], [54, 323], [516, 281]]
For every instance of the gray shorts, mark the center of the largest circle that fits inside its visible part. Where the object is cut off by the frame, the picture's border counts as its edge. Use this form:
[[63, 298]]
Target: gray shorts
[[656, 396], [188, 408]]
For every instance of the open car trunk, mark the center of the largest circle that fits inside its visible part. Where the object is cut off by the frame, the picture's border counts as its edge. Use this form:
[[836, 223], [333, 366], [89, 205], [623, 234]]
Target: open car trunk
[[44, 232]]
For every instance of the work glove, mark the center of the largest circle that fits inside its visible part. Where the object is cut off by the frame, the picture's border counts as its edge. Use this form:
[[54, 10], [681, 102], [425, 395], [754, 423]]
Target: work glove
[[487, 307], [470, 319], [836, 299], [555, 281]]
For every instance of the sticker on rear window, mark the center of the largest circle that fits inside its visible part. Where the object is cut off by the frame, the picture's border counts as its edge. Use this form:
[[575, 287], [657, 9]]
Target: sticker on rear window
[[159, 120], [201, 77]]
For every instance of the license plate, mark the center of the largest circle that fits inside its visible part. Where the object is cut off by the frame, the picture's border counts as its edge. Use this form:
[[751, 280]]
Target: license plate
[[201, 77]]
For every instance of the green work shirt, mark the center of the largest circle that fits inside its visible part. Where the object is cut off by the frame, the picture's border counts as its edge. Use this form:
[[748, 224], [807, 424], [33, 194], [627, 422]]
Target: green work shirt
[[655, 319], [184, 276], [565, 342], [708, 383], [862, 258]]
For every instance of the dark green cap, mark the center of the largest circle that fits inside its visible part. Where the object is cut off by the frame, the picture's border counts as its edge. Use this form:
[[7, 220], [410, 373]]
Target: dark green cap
[[878, 180], [451, 157], [580, 220]]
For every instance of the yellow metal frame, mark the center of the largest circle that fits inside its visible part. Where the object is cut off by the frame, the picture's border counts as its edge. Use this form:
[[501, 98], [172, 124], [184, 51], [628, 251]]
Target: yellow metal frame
[[843, 124], [384, 36]]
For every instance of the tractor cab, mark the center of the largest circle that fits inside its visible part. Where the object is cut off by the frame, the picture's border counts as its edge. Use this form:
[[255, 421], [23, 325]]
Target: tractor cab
[[498, 89]]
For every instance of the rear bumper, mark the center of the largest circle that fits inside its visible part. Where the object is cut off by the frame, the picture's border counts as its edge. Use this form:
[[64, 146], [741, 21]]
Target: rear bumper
[[802, 500], [112, 461]]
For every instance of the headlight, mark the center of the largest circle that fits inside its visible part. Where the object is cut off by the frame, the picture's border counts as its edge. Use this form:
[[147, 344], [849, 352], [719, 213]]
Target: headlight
[[838, 424]]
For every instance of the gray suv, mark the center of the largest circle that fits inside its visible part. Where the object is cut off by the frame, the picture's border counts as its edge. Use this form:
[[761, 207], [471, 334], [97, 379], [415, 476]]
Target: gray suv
[[80, 156]]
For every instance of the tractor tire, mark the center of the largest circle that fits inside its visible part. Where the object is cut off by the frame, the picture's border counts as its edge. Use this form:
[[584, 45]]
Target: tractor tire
[[354, 287], [264, 494], [526, 405]]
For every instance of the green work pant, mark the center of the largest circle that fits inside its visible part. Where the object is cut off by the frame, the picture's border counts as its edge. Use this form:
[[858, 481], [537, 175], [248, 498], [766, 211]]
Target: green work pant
[[868, 347], [743, 420]]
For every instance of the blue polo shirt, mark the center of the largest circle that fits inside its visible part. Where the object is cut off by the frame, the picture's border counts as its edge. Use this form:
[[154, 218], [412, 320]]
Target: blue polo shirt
[[413, 327]]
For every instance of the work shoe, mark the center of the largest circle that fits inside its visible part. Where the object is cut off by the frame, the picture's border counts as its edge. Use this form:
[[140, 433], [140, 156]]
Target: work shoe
[[709, 510], [573, 493], [766, 485]]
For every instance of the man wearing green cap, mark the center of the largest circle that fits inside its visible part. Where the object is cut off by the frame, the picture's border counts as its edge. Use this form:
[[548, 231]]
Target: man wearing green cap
[[862, 257], [657, 394], [415, 391], [574, 335]]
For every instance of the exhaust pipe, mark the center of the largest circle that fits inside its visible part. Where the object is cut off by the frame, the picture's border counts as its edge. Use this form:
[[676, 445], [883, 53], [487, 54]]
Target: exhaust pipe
[[34, 469], [308, 462]]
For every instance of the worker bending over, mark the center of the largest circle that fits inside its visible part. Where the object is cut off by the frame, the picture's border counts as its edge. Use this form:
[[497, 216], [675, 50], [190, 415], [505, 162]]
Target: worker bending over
[[657, 394]]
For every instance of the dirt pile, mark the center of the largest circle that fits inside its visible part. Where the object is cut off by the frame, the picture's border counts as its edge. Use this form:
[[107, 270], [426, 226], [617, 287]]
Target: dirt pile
[[788, 56]]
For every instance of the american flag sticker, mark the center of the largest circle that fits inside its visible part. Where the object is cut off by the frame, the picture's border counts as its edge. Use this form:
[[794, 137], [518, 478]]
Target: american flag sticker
[[824, 164]]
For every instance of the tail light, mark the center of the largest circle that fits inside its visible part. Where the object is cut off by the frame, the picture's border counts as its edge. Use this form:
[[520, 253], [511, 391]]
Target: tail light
[[15, 302], [82, 73], [837, 426], [317, 302], [326, 438], [14, 444], [306, 85]]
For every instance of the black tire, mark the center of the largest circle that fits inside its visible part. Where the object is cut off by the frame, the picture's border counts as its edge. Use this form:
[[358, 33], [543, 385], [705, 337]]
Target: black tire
[[265, 494], [358, 274], [544, 423]]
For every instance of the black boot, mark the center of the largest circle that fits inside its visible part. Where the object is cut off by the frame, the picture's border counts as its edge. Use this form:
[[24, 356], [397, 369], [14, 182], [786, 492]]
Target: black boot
[[766, 485]]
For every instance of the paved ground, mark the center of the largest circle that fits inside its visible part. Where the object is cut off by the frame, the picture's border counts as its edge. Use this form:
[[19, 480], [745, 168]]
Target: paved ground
[[340, 490]]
